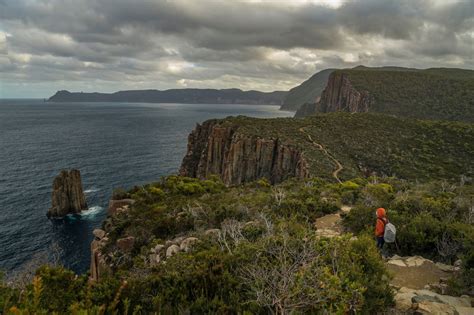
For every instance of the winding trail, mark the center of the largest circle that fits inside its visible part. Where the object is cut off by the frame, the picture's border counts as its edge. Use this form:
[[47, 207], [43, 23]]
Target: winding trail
[[339, 166]]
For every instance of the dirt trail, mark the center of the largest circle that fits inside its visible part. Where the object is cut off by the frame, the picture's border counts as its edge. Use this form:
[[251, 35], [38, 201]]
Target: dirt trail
[[339, 166], [416, 277]]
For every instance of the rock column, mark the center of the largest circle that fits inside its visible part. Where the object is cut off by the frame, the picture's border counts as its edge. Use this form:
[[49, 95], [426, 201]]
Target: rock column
[[67, 196]]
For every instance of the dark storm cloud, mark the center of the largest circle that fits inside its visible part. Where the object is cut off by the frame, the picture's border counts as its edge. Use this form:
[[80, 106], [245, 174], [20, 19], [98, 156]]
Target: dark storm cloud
[[273, 44]]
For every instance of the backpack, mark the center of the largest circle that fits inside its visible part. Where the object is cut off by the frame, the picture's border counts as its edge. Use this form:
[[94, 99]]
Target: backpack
[[390, 233]]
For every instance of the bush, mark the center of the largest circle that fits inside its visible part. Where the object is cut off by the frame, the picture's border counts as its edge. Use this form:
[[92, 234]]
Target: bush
[[120, 193], [335, 276], [378, 194], [60, 288], [360, 219], [156, 193]]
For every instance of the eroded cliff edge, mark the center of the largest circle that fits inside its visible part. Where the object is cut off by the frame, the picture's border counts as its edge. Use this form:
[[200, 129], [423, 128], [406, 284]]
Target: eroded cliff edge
[[217, 148], [340, 95]]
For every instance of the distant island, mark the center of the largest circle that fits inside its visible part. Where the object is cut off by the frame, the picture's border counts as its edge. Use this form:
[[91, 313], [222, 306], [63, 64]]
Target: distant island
[[190, 96]]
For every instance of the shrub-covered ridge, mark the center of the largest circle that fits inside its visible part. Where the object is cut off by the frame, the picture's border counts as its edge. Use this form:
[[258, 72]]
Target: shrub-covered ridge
[[256, 249]]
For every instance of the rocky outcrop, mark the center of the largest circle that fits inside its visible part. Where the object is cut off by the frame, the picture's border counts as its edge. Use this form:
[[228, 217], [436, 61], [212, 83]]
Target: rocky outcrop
[[67, 196], [410, 301], [339, 95], [116, 206], [98, 266], [215, 149]]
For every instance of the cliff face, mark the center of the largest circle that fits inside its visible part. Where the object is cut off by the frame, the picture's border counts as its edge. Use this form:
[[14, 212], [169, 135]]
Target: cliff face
[[67, 196], [339, 95], [214, 149]]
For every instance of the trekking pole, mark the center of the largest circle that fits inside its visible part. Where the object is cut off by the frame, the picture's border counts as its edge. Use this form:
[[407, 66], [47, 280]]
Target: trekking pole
[[396, 244]]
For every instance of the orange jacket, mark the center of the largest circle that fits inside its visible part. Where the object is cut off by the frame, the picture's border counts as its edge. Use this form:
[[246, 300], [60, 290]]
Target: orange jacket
[[381, 222]]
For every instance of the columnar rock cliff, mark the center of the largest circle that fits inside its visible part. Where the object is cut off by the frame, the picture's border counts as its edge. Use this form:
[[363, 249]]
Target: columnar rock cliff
[[67, 196], [339, 95], [216, 149]]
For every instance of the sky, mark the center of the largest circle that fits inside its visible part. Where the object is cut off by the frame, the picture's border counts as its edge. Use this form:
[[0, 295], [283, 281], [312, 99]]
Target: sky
[[267, 45]]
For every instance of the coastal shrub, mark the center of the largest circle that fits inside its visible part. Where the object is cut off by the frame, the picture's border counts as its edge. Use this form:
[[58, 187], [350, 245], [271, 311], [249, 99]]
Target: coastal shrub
[[359, 219], [156, 193], [335, 276], [463, 282], [120, 193], [60, 288], [378, 195], [8, 295], [263, 183], [202, 282], [262, 232]]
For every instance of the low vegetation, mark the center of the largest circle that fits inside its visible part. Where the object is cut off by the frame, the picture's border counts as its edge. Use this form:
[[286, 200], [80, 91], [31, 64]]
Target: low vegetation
[[257, 252]]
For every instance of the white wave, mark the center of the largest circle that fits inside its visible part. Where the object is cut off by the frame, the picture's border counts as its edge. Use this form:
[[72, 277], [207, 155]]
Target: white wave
[[92, 211], [87, 191]]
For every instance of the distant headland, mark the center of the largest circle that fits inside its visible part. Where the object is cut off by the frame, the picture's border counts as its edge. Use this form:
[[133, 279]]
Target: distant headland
[[191, 96]]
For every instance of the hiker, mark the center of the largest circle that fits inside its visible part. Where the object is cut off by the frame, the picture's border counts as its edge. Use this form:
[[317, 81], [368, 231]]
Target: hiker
[[380, 227]]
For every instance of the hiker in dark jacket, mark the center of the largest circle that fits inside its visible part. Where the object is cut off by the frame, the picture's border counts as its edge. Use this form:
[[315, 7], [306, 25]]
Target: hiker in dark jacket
[[380, 227]]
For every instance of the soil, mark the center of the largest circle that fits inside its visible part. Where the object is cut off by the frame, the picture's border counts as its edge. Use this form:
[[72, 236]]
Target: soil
[[416, 277]]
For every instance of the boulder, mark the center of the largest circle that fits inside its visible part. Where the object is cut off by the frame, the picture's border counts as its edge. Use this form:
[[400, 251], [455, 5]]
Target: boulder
[[172, 250], [464, 310], [416, 261], [126, 244], [67, 196], [187, 243], [435, 308], [447, 299], [157, 248], [178, 240], [327, 233], [403, 300], [422, 298], [154, 259], [396, 262], [346, 209], [98, 233], [115, 205], [444, 267]]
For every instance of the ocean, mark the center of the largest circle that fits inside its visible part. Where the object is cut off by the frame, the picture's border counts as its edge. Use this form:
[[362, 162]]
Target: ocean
[[112, 144]]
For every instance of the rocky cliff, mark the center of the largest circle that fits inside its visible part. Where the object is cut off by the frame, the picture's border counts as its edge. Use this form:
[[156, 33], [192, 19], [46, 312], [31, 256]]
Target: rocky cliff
[[338, 96], [220, 149], [68, 195], [434, 94]]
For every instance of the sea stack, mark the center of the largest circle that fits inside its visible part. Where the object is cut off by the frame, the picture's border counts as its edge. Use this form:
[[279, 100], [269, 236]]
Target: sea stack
[[67, 196]]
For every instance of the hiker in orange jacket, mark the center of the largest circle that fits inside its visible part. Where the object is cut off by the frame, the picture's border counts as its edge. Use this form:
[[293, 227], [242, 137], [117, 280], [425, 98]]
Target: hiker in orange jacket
[[380, 227]]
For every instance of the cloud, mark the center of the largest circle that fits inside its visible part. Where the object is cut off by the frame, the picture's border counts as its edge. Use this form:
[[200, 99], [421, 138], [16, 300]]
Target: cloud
[[267, 45]]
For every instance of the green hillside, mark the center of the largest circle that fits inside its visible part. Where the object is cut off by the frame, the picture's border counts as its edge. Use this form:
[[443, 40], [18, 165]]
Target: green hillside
[[437, 93], [306, 92], [370, 142]]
